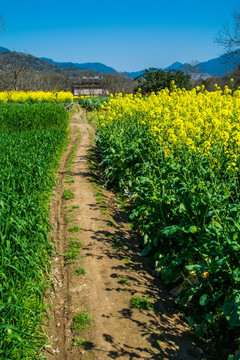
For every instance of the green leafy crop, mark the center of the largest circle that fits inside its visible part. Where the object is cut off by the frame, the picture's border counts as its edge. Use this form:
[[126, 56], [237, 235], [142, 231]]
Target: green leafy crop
[[29, 154]]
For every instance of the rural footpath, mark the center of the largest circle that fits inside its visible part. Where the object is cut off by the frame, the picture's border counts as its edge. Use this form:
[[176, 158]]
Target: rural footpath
[[99, 275]]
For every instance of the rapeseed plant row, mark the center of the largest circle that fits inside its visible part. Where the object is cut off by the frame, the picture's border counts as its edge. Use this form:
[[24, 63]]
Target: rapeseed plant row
[[92, 103], [176, 155], [36, 96], [29, 157]]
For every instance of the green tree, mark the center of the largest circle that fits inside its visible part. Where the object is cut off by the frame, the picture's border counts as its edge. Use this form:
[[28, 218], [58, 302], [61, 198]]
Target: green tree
[[154, 80]]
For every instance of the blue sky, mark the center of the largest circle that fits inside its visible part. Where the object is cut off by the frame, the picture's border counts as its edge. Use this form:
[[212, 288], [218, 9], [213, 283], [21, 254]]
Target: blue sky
[[127, 35]]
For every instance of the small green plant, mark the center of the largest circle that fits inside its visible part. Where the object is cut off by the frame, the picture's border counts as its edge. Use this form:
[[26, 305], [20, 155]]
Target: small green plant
[[111, 222], [73, 239], [80, 271], [115, 239], [73, 250], [67, 219], [117, 244], [73, 151], [92, 103], [141, 303], [69, 180], [78, 342], [74, 228], [128, 261], [73, 208], [81, 320], [123, 281], [68, 195]]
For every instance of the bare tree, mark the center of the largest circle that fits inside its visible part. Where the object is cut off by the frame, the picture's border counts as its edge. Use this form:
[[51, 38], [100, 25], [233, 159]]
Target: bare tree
[[2, 26], [117, 83], [36, 80], [229, 37], [11, 72], [195, 72]]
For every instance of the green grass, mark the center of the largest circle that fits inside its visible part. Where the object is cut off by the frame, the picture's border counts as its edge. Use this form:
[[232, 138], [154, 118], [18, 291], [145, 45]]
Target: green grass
[[32, 139], [80, 271], [116, 242], [73, 208], [99, 195], [68, 179], [70, 162], [72, 111], [72, 153], [29, 117], [67, 219], [78, 342], [127, 261], [72, 250], [74, 228], [81, 320], [68, 194], [141, 303], [124, 281]]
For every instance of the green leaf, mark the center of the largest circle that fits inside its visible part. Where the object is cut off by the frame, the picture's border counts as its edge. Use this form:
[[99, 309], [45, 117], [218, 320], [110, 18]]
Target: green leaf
[[170, 230], [192, 229], [182, 208], [146, 250], [234, 245], [235, 236], [171, 273], [221, 261], [209, 318], [191, 321], [146, 237], [203, 300], [231, 309], [193, 267], [236, 275]]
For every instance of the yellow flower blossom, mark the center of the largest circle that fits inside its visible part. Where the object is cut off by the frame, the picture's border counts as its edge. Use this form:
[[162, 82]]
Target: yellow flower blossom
[[36, 96], [195, 121]]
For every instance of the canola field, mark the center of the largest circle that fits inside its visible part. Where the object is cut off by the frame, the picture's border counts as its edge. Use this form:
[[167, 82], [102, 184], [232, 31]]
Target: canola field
[[35, 96], [175, 155], [32, 138]]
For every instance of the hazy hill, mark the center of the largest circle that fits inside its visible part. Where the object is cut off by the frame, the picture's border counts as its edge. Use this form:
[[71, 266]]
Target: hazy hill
[[95, 66], [177, 66], [33, 63], [30, 62], [218, 66], [4, 50]]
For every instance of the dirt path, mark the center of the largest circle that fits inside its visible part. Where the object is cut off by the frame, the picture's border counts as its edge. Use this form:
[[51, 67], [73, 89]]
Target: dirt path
[[114, 274]]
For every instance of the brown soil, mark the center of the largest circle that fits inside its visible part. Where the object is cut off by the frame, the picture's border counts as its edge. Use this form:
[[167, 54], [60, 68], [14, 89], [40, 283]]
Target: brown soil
[[110, 253]]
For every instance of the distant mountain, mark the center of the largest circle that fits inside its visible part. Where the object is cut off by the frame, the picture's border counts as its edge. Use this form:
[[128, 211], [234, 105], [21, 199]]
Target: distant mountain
[[95, 66], [30, 62], [221, 65], [133, 74], [3, 50], [177, 66], [217, 66], [33, 63]]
